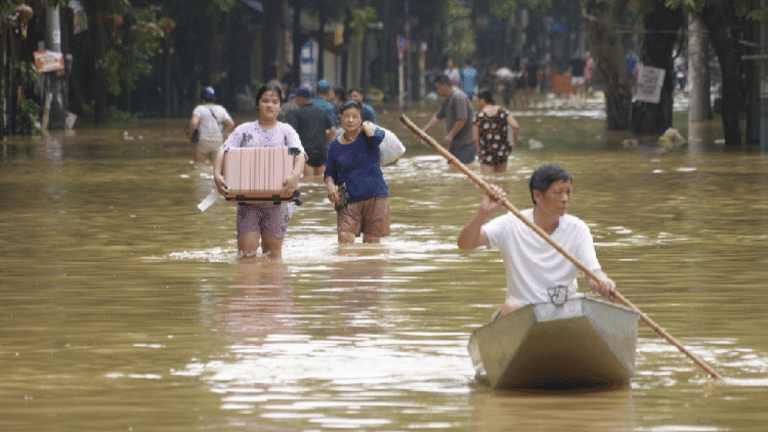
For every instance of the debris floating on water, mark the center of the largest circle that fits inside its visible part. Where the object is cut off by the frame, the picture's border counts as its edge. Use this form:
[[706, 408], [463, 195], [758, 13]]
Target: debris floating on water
[[208, 201], [671, 138], [629, 143]]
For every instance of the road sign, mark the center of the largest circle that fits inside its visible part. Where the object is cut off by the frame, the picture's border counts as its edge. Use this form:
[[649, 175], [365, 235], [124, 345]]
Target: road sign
[[649, 83], [48, 61]]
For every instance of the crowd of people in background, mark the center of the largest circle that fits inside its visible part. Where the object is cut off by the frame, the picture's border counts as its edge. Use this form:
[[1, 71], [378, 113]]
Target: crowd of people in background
[[336, 134], [520, 84], [474, 107]]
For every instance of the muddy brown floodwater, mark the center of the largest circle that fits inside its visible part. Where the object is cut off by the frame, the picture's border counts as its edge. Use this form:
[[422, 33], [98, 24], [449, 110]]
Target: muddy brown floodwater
[[124, 308]]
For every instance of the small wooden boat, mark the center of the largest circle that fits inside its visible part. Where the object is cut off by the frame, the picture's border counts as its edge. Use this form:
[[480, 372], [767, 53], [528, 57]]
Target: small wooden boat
[[580, 343]]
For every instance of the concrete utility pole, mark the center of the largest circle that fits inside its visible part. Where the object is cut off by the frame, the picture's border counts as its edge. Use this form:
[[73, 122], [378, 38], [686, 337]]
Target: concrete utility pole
[[54, 82]]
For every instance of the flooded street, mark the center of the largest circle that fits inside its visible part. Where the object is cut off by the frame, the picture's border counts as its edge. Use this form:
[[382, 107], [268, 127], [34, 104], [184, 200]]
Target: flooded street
[[125, 308]]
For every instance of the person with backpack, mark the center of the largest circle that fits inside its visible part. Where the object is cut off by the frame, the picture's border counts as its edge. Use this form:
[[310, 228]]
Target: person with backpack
[[209, 126]]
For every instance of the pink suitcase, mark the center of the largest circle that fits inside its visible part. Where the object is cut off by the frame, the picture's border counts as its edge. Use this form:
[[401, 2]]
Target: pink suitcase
[[257, 174]]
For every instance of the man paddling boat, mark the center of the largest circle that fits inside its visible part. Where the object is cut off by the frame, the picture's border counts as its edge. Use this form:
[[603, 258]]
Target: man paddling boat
[[533, 265]]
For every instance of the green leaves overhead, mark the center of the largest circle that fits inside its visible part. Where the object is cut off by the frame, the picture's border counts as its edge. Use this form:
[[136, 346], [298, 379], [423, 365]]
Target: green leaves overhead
[[745, 7], [363, 18], [124, 62], [760, 15]]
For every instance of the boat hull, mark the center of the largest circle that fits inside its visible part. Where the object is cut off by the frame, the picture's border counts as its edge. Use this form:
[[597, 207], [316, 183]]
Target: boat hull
[[581, 343]]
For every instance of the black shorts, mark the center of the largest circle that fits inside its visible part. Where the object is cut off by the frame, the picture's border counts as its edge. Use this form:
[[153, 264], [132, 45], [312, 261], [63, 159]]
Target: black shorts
[[316, 158], [466, 154]]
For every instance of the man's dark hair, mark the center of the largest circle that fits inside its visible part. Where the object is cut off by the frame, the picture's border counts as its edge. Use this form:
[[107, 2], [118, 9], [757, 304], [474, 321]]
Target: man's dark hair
[[442, 79], [340, 93], [545, 175]]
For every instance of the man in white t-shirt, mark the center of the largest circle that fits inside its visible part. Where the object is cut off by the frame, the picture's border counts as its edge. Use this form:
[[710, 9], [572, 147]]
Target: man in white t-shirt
[[453, 73], [532, 264], [213, 124]]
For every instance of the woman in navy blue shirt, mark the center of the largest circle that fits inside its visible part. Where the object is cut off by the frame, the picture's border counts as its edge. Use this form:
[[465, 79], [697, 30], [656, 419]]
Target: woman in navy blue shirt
[[354, 165]]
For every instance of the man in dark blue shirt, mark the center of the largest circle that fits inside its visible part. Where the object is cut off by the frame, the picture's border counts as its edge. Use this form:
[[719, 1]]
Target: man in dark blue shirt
[[315, 131], [323, 89]]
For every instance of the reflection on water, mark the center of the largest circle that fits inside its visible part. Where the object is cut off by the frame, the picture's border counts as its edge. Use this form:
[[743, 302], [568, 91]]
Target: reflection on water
[[119, 297], [504, 411], [264, 302]]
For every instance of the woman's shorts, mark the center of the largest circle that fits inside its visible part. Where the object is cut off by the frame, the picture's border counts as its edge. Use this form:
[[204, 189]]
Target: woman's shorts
[[268, 219], [370, 217], [209, 145]]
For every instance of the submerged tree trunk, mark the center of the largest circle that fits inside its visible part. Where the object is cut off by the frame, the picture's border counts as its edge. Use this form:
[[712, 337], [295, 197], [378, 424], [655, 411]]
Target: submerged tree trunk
[[662, 25], [699, 101], [752, 81], [100, 73], [601, 20], [717, 17]]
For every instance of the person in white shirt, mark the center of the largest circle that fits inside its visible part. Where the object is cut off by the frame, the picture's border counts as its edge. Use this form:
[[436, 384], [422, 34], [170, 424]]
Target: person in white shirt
[[213, 124], [532, 264], [453, 73]]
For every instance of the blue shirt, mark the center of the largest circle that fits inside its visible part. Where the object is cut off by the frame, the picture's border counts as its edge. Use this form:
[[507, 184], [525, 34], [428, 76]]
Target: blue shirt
[[369, 114], [358, 164], [311, 123], [632, 64], [468, 80], [328, 108]]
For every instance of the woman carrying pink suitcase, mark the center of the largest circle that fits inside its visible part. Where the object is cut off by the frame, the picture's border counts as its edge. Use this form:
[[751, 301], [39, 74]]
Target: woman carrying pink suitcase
[[265, 223]]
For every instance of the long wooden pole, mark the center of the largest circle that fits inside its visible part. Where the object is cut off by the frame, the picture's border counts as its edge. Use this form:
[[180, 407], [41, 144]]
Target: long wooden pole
[[487, 189]]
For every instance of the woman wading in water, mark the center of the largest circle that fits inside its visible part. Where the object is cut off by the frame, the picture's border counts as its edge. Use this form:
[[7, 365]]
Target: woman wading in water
[[354, 162], [263, 224]]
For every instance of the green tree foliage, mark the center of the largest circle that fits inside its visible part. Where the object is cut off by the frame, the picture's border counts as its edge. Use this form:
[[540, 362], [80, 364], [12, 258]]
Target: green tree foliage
[[125, 62], [502, 8], [214, 9], [362, 19], [459, 33], [745, 7], [120, 60], [28, 113], [760, 15], [199, 15]]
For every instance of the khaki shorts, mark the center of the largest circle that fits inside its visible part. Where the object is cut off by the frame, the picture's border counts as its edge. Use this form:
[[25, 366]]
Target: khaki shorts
[[209, 145], [370, 217]]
